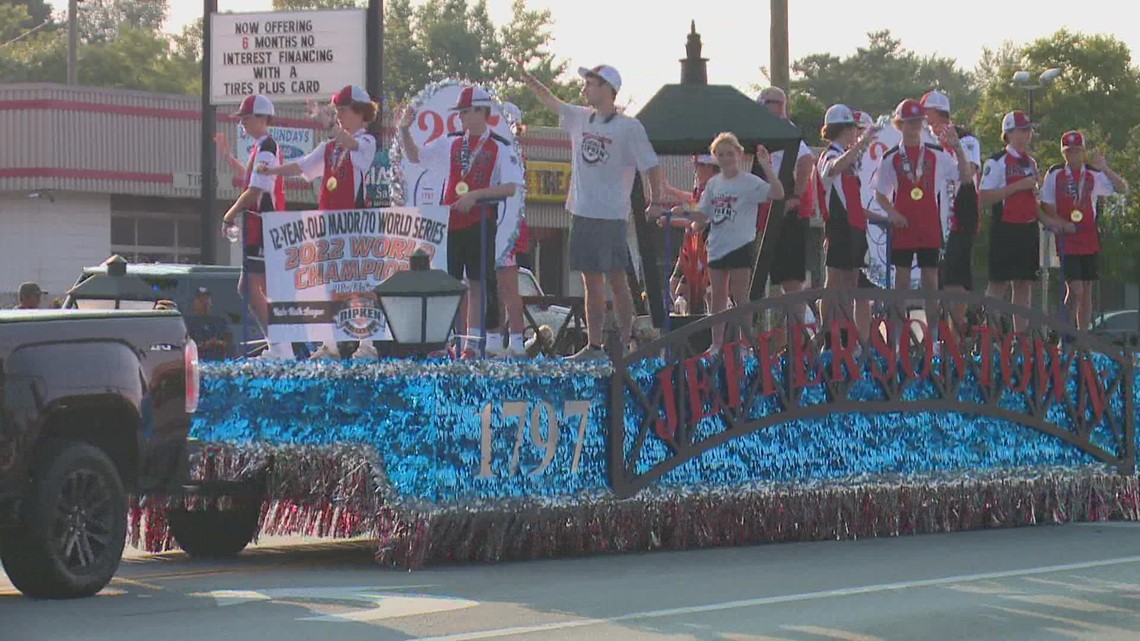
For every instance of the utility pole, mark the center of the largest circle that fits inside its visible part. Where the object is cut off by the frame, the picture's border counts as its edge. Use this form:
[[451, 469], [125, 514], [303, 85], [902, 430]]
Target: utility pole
[[780, 66], [73, 42], [209, 194], [374, 63]]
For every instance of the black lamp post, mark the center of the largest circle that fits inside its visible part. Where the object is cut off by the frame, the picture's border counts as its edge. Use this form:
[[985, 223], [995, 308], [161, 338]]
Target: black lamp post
[[420, 305]]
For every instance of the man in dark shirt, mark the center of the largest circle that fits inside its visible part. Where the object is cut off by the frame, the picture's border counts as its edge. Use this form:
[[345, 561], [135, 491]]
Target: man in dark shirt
[[209, 331]]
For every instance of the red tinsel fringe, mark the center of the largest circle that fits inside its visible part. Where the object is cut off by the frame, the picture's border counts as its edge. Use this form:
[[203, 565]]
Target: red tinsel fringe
[[338, 493]]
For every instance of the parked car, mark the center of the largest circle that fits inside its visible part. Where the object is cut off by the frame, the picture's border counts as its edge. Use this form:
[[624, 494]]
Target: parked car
[[180, 283], [94, 405], [1122, 327]]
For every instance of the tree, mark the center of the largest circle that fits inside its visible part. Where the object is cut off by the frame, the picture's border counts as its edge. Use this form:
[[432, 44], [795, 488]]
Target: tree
[[876, 77], [102, 20]]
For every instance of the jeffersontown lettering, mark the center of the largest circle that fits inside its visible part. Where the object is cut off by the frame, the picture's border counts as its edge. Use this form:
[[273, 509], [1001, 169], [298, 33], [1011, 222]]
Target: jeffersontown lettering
[[688, 390]]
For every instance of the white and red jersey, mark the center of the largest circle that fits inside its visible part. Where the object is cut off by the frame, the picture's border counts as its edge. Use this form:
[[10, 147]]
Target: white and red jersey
[[923, 171], [1077, 189], [838, 193], [1004, 168], [264, 152], [481, 162], [328, 160]]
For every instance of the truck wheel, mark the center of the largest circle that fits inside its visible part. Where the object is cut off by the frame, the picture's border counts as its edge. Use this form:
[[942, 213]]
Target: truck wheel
[[214, 533], [72, 528]]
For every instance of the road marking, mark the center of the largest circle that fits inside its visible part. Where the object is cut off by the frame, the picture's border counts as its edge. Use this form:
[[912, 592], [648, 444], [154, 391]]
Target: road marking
[[1067, 603], [831, 633], [372, 603], [773, 600], [1082, 630]]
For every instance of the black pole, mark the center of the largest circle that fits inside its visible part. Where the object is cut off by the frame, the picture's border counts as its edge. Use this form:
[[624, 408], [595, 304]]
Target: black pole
[[209, 228], [374, 62]]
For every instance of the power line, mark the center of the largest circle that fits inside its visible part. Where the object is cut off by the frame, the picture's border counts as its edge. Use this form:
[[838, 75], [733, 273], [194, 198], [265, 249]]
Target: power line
[[27, 33]]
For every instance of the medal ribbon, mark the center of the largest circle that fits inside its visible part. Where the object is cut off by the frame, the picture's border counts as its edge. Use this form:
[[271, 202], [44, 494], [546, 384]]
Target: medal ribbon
[[914, 176], [1077, 190], [467, 157]]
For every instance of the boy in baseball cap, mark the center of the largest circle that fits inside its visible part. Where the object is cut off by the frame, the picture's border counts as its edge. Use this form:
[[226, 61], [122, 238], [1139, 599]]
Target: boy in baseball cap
[[1069, 197], [605, 73]]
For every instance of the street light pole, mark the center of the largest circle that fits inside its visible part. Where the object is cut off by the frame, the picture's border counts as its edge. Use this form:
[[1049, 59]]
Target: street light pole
[[72, 42]]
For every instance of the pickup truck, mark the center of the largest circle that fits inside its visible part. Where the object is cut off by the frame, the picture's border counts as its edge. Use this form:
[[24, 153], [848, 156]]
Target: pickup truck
[[94, 406]]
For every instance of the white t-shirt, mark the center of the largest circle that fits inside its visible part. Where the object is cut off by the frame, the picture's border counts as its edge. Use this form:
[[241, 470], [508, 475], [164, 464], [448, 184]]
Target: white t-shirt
[[312, 164], [606, 157], [1101, 186], [731, 206], [266, 155]]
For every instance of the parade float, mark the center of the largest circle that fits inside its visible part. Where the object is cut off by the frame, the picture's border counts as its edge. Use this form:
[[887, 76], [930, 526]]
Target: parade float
[[793, 433]]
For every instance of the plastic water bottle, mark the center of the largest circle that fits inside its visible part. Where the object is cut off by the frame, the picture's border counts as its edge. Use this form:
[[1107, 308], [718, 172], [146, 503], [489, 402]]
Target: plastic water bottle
[[233, 233]]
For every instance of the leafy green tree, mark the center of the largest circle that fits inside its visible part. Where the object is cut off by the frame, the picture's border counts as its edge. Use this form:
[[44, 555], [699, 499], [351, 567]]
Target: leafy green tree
[[102, 20], [295, 5], [876, 77]]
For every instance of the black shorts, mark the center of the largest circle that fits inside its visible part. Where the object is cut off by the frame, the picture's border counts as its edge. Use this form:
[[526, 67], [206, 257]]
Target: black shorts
[[465, 253], [1085, 267], [846, 245], [966, 208], [904, 258], [739, 258], [957, 268], [1014, 251], [790, 259]]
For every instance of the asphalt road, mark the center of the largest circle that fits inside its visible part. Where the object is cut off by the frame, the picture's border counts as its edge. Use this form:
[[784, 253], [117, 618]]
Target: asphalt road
[[1047, 583]]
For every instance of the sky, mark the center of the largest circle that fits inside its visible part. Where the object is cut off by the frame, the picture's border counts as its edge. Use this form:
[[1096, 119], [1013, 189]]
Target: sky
[[645, 39]]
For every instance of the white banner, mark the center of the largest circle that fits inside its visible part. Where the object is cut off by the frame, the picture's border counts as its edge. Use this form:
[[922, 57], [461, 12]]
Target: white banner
[[424, 185], [877, 262], [321, 267], [289, 56]]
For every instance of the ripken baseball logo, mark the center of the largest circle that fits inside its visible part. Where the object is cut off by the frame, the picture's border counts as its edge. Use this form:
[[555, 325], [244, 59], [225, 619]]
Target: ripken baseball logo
[[360, 317]]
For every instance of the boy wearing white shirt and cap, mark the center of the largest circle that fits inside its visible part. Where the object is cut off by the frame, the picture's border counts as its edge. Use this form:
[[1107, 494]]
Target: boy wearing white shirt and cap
[[608, 149]]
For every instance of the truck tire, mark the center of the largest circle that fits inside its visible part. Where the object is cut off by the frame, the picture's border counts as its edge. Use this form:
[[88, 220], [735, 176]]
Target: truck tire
[[214, 533], [72, 528]]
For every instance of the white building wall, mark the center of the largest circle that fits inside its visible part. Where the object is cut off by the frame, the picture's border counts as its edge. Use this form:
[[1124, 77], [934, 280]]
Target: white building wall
[[51, 242]]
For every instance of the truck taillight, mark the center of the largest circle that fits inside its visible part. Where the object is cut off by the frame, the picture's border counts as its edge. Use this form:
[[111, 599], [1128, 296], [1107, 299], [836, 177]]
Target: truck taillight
[[193, 380]]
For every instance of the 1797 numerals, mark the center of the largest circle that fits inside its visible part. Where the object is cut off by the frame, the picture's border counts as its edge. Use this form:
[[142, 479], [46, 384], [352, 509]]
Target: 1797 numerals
[[539, 417]]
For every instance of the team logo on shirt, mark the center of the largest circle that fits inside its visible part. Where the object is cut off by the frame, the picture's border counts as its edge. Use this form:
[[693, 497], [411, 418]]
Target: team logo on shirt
[[723, 208], [594, 149], [360, 317]]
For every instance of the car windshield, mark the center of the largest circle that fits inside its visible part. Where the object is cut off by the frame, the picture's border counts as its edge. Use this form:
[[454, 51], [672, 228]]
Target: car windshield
[[527, 285], [1119, 322]]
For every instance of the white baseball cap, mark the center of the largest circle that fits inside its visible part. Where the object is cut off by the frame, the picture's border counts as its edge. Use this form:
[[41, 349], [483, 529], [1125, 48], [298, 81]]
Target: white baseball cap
[[512, 111], [936, 100], [350, 94], [864, 119], [472, 96], [839, 115], [605, 72], [706, 159], [256, 105]]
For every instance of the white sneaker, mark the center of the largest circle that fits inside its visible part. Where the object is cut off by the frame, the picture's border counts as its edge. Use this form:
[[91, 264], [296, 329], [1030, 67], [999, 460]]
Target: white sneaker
[[325, 352], [365, 350]]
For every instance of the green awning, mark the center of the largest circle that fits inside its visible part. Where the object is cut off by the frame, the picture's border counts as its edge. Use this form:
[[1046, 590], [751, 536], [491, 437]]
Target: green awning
[[684, 119]]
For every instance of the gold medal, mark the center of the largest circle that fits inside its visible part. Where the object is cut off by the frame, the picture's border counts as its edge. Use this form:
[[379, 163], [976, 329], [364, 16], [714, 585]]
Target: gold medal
[[461, 188], [331, 183], [916, 193], [1077, 216]]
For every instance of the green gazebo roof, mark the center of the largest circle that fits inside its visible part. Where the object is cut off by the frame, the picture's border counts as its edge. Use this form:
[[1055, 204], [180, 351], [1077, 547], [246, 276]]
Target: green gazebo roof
[[684, 119]]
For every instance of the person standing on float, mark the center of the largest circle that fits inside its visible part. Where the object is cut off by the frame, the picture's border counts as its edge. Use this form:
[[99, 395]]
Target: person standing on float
[[481, 165], [838, 188], [908, 185], [340, 164], [512, 318], [961, 199], [1069, 197], [260, 194], [1008, 187], [608, 148], [691, 273], [789, 263]]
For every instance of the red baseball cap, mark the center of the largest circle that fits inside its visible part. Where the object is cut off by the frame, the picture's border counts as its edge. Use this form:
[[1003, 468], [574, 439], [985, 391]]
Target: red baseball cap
[[472, 97], [909, 109], [350, 94], [1072, 139], [1015, 120], [256, 105]]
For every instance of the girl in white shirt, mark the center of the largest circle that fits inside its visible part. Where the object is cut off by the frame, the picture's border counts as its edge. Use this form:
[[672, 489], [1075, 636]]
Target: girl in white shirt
[[729, 206]]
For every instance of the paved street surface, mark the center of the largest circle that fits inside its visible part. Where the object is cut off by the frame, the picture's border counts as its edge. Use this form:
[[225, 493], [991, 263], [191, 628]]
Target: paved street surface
[[1073, 582]]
